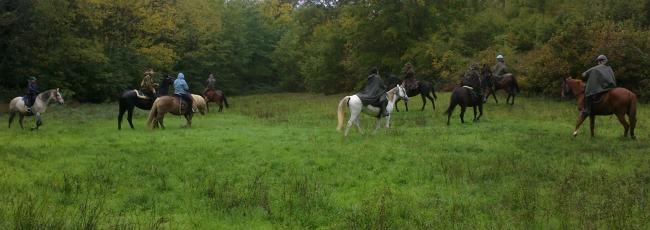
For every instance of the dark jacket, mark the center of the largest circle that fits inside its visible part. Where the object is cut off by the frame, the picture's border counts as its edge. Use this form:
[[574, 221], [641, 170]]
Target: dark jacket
[[471, 79], [32, 88], [599, 78], [374, 90], [500, 69]]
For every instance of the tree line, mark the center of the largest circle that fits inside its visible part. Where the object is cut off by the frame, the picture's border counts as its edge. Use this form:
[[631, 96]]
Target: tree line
[[94, 49]]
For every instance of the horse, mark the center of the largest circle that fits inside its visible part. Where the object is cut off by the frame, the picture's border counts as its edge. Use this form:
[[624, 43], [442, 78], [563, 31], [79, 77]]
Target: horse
[[168, 104], [356, 107], [200, 103], [132, 98], [507, 82], [463, 96], [215, 95], [17, 106], [619, 101], [424, 89]]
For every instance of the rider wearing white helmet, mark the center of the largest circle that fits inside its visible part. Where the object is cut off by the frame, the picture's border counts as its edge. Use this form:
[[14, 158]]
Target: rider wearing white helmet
[[500, 68]]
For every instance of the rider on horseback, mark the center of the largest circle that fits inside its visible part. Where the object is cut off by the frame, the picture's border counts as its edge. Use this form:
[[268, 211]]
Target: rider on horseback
[[147, 85], [472, 79], [210, 83], [374, 93], [32, 92], [409, 82], [182, 89], [500, 68], [600, 79]]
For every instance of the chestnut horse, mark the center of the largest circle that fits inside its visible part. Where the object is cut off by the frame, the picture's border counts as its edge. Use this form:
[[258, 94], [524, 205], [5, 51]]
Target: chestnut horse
[[619, 101], [215, 95]]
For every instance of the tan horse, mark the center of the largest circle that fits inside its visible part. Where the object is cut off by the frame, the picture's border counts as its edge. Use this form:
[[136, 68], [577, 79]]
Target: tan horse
[[167, 104], [200, 104], [17, 106], [619, 101]]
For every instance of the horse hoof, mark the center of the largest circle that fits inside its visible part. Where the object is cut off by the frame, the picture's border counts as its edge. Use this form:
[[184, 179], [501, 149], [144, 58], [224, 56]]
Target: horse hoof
[[575, 133]]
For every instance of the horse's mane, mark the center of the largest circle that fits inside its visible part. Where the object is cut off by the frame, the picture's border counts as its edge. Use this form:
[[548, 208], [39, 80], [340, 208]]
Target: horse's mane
[[46, 92]]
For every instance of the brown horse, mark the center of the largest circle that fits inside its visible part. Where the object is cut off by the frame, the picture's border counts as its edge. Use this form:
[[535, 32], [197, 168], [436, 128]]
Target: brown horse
[[215, 95], [168, 104], [619, 101], [507, 82], [463, 96]]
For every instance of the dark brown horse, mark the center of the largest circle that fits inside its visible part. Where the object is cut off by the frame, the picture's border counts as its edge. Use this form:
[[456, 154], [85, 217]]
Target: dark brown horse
[[132, 98], [424, 89], [619, 101], [168, 104], [215, 95], [507, 82], [463, 96]]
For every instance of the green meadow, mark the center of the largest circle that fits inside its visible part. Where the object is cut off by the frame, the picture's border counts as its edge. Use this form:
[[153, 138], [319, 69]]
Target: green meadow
[[276, 161]]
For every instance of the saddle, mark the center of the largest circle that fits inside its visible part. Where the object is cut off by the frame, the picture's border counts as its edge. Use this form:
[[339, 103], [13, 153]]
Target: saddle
[[475, 96], [598, 98], [183, 105]]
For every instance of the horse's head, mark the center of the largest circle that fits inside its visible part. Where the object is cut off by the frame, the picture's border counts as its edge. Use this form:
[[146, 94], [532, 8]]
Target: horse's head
[[571, 86], [486, 75], [401, 93], [56, 96], [168, 80]]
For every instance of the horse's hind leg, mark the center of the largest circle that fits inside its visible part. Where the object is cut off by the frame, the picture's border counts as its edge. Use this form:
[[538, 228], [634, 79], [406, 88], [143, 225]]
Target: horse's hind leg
[[130, 117], [462, 113], [11, 118], [424, 101], [20, 120], [581, 118], [120, 115], [626, 126], [592, 123], [433, 102]]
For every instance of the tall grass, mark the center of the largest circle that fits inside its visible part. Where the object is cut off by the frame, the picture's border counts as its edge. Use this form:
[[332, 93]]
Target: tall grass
[[276, 161]]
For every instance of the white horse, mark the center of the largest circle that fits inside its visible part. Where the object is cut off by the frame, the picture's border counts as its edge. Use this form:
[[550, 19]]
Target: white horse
[[356, 107], [17, 106]]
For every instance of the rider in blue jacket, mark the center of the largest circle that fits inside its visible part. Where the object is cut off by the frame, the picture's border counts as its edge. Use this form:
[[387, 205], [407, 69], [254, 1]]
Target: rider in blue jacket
[[183, 90]]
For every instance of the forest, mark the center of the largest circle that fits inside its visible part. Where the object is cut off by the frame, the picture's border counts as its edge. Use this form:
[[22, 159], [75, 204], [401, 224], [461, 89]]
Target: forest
[[95, 49]]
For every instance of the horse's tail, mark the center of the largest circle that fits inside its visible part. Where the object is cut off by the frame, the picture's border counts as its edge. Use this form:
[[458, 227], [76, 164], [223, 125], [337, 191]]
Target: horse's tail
[[515, 85], [341, 113], [452, 103], [225, 101], [153, 114]]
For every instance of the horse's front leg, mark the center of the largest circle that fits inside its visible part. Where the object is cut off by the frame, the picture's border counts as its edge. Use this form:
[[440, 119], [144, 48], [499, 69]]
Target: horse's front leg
[[39, 122], [377, 125], [581, 118], [188, 117], [388, 121], [397, 109]]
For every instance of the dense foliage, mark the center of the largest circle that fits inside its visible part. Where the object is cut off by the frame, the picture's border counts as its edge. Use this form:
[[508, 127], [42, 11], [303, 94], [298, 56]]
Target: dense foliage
[[96, 48]]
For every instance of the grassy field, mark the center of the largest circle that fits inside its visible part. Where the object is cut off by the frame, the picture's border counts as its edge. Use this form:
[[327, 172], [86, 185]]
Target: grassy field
[[276, 161]]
